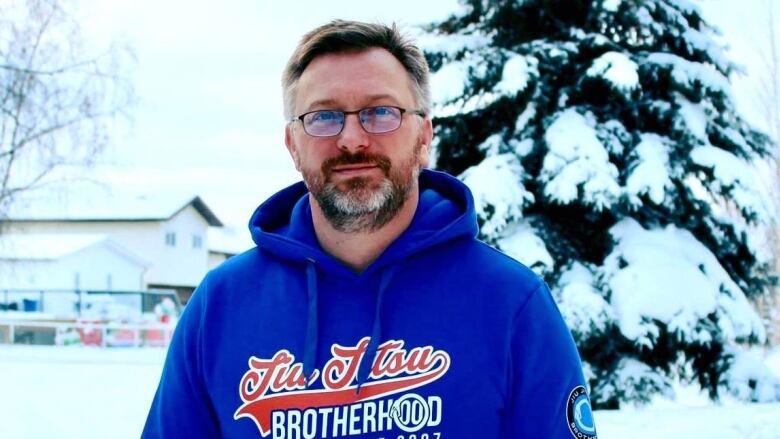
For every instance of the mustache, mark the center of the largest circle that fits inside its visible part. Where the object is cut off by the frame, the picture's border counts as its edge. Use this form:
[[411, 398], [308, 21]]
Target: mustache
[[382, 162]]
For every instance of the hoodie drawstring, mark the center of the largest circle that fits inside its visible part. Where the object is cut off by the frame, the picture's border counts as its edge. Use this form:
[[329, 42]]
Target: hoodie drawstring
[[364, 371], [312, 326], [310, 344]]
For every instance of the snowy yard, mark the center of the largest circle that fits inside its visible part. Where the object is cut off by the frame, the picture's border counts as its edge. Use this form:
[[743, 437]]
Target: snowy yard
[[79, 392]]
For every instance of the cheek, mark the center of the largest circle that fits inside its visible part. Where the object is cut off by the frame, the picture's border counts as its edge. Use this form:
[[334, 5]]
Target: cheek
[[311, 156]]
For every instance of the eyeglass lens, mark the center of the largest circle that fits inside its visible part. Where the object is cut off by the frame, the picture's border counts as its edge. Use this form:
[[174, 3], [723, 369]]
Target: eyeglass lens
[[374, 120]]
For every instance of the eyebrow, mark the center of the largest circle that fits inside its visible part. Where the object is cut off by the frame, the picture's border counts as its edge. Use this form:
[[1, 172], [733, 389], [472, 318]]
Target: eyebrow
[[333, 102]]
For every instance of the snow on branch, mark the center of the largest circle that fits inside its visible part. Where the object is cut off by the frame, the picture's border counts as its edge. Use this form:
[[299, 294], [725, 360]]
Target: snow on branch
[[667, 275], [522, 242], [578, 160], [583, 307], [616, 69], [499, 193], [734, 178], [463, 86], [633, 382], [749, 379], [650, 171], [450, 46], [690, 74]]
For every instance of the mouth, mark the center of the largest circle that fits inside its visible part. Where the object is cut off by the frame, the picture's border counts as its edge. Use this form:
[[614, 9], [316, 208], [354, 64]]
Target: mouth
[[354, 169]]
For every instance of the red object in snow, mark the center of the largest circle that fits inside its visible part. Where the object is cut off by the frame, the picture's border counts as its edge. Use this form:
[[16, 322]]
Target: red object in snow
[[91, 335]]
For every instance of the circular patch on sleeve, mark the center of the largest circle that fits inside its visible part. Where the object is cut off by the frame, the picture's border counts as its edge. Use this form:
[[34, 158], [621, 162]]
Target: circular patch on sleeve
[[579, 415]]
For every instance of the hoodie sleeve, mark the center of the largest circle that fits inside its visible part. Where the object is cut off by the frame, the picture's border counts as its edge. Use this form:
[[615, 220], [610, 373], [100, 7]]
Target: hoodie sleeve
[[547, 397], [182, 406]]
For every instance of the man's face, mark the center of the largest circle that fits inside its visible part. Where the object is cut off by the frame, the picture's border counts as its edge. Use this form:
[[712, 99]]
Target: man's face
[[360, 180]]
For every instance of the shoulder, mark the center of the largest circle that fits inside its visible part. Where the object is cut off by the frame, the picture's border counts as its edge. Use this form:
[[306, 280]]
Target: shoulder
[[240, 263], [237, 273], [499, 267], [475, 267]]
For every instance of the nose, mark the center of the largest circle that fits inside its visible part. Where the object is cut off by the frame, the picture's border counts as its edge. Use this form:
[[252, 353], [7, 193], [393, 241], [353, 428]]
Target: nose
[[353, 137]]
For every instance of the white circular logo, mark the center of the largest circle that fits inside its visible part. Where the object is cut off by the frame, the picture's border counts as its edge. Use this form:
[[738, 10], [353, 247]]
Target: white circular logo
[[579, 415], [411, 412]]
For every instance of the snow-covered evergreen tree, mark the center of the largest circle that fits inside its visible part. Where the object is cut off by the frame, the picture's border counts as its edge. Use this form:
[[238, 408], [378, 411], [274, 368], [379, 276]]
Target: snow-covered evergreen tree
[[604, 150]]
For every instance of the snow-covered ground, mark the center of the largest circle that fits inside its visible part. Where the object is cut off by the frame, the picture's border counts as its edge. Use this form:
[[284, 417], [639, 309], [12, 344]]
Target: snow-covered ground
[[76, 392], [82, 392], [754, 421]]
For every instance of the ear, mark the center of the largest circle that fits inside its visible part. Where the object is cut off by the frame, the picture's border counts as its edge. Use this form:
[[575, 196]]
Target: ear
[[289, 141], [426, 137]]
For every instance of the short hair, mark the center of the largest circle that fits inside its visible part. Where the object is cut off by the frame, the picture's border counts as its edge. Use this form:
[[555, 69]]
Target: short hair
[[340, 36]]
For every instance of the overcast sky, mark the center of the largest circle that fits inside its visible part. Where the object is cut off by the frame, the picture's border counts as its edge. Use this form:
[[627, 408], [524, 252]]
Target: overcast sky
[[209, 120]]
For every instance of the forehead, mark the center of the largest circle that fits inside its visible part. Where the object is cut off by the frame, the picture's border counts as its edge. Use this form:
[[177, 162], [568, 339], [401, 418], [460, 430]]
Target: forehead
[[352, 80]]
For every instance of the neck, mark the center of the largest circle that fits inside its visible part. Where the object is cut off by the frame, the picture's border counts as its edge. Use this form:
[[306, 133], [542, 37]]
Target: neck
[[359, 249]]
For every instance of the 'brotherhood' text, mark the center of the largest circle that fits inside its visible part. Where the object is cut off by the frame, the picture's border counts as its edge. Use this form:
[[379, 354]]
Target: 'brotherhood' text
[[277, 398]]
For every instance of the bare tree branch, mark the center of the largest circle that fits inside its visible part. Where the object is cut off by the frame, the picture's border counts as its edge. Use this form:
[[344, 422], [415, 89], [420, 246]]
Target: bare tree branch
[[768, 99], [56, 98]]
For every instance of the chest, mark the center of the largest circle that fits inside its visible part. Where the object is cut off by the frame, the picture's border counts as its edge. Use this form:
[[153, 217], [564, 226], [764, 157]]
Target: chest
[[439, 370]]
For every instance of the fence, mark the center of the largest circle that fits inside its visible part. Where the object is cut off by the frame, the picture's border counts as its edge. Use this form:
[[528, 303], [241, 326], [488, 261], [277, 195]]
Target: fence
[[78, 301], [104, 334], [99, 318]]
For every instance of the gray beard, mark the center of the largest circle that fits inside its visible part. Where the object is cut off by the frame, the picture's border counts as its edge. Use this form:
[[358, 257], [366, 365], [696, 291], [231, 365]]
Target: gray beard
[[347, 212]]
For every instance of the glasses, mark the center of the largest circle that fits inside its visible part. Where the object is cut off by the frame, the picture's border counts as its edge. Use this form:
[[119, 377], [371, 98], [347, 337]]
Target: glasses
[[375, 120]]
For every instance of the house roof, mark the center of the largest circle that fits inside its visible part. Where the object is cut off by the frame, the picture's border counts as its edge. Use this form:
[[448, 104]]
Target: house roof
[[229, 240], [53, 246], [96, 206]]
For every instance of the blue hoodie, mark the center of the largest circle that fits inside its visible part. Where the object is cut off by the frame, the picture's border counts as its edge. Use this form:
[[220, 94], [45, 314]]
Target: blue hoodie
[[440, 337]]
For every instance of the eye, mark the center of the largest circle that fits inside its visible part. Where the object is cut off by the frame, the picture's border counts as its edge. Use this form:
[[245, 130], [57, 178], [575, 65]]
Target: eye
[[323, 116], [383, 111]]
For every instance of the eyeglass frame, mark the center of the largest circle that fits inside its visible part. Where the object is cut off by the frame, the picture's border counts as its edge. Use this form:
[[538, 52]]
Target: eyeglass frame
[[357, 112]]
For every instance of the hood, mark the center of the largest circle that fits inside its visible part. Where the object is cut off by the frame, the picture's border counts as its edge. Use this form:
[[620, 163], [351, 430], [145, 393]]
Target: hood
[[283, 224]]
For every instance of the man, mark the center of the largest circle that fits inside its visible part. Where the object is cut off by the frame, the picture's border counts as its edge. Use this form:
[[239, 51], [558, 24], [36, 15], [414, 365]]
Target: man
[[368, 308]]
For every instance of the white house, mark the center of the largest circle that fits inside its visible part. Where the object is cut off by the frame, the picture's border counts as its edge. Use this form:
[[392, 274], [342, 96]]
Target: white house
[[226, 242], [68, 261], [169, 232], [54, 262]]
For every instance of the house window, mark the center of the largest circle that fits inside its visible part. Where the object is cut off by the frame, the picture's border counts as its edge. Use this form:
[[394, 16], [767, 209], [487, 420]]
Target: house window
[[197, 241], [170, 239]]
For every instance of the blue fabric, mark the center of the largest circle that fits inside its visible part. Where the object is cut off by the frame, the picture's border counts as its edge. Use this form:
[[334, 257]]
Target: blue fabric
[[440, 337]]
